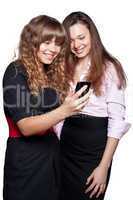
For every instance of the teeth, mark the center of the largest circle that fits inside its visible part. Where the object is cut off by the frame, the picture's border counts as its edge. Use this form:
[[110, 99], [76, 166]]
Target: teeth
[[80, 51], [49, 55]]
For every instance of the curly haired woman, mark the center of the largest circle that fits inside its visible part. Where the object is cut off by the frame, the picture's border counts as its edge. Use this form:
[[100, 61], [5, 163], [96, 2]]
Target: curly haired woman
[[34, 86]]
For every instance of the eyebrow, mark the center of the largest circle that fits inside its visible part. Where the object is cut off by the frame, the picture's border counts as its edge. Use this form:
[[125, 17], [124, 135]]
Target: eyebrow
[[82, 34]]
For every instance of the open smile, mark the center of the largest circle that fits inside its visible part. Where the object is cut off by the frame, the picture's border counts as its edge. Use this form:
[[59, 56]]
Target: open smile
[[79, 51]]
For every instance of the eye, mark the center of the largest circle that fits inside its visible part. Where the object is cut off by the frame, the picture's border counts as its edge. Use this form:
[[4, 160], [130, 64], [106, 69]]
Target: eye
[[82, 37], [71, 41], [58, 44], [47, 42]]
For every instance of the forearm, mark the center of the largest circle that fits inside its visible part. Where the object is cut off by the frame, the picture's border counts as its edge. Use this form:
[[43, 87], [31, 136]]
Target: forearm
[[41, 123], [110, 148]]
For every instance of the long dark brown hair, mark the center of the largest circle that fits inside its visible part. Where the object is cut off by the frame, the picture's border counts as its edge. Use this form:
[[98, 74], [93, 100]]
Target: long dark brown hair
[[37, 31], [98, 54]]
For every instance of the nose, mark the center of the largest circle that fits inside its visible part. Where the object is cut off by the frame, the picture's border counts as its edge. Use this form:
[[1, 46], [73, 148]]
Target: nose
[[76, 44], [52, 47]]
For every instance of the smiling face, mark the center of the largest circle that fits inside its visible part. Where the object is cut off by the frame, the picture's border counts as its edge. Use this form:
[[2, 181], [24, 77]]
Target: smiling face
[[80, 40], [48, 51]]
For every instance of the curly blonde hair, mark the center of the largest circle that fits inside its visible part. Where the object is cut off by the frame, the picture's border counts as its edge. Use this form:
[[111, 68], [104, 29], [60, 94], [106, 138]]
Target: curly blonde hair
[[37, 31]]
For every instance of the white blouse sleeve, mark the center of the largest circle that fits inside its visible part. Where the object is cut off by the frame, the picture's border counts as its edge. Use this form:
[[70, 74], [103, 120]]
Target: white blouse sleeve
[[115, 100], [58, 128]]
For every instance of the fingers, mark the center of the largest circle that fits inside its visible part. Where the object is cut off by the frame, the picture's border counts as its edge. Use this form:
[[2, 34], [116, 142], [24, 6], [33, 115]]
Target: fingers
[[81, 102], [74, 103], [79, 92], [90, 187], [84, 98], [95, 190], [101, 190], [70, 94], [89, 179], [82, 105]]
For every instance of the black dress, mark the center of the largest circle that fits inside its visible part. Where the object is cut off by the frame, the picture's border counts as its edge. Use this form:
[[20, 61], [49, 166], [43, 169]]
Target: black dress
[[31, 169], [83, 140]]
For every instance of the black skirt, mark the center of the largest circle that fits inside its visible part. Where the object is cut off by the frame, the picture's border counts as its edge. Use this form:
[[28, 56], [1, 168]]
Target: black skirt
[[83, 141], [31, 170]]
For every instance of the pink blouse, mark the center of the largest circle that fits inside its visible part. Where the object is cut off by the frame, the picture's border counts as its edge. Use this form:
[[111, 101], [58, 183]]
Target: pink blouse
[[110, 104]]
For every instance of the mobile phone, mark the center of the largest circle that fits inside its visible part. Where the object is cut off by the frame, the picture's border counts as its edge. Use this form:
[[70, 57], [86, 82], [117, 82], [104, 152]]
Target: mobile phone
[[81, 84]]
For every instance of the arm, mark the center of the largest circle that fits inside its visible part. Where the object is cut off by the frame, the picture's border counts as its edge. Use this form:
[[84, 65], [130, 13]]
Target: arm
[[41, 123], [116, 128], [28, 123], [110, 149]]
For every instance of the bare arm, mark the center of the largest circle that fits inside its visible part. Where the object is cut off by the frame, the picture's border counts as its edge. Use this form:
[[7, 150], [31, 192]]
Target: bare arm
[[116, 128], [111, 146], [41, 123]]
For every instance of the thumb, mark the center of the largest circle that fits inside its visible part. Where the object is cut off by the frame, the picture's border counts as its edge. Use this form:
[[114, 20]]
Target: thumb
[[70, 93], [89, 179]]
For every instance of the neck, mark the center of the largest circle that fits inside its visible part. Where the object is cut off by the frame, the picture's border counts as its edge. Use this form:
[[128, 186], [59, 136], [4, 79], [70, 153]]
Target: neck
[[83, 62], [81, 68]]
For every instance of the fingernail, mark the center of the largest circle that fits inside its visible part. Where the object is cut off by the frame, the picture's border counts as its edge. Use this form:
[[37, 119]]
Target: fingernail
[[85, 86]]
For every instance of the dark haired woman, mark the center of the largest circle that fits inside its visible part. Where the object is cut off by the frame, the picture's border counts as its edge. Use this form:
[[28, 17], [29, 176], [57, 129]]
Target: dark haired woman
[[32, 87], [89, 139]]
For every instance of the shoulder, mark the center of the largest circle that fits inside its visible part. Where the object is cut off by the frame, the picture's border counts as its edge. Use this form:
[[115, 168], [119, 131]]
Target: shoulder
[[111, 73], [15, 68], [15, 71]]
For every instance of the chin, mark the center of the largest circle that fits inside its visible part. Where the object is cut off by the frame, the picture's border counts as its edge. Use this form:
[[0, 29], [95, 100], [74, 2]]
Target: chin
[[81, 55], [47, 62]]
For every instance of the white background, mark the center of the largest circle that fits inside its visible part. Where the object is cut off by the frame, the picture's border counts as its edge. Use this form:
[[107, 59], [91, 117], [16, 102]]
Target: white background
[[114, 22]]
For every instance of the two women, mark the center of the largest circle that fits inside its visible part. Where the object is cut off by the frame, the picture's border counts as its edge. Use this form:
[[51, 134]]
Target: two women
[[34, 87], [89, 139]]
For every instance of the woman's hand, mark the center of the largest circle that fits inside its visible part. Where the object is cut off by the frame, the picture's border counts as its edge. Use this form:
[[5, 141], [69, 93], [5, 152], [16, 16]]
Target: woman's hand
[[73, 104], [40, 123], [97, 181]]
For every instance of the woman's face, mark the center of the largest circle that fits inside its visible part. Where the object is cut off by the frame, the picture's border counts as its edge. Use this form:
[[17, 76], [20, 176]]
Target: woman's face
[[80, 40], [48, 51]]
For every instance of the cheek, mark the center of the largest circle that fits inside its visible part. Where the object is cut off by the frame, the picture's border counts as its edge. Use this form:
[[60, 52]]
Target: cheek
[[58, 50], [38, 54], [42, 47], [88, 42], [72, 46], [40, 57]]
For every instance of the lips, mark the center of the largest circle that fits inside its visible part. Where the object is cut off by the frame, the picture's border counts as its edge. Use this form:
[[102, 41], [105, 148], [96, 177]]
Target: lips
[[49, 56], [79, 51]]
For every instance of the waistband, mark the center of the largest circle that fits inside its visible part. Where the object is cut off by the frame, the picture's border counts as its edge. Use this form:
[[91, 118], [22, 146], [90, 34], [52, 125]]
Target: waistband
[[85, 121]]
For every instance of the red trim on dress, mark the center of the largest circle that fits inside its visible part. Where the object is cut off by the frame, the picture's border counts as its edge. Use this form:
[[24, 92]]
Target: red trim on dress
[[13, 129], [15, 132]]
